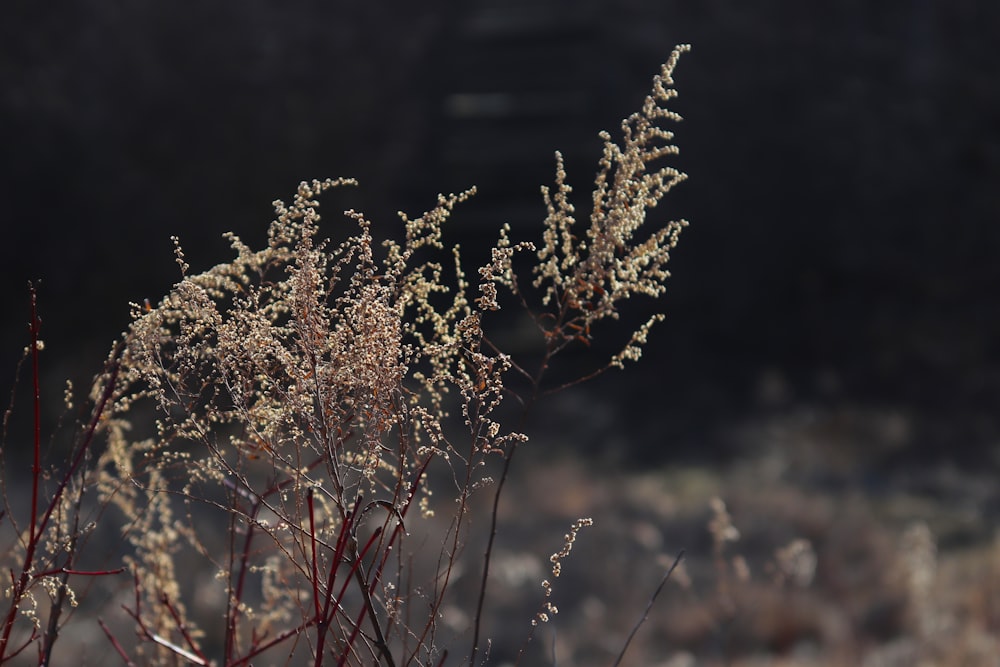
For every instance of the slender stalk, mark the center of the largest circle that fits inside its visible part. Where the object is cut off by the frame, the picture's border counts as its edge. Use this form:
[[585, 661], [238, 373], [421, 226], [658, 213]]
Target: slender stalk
[[119, 649], [314, 566], [495, 510], [649, 606], [20, 583], [36, 467], [183, 629]]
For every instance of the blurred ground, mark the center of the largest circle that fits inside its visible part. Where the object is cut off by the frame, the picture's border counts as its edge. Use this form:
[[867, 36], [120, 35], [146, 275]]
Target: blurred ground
[[834, 560], [801, 549]]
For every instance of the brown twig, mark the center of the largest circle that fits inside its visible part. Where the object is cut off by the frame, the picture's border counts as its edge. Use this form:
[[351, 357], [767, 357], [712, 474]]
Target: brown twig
[[649, 606]]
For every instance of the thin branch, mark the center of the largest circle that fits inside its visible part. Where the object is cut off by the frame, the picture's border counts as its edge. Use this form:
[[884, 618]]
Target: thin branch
[[115, 643], [649, 606]]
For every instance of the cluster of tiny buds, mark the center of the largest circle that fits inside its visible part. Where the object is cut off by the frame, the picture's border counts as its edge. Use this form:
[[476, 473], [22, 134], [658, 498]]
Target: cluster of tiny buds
[[569, 540], [556, 559]]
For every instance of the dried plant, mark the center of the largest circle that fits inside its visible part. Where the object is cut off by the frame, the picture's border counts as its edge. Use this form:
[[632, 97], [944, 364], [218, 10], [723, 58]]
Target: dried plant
[[277, 419], [45, 553]]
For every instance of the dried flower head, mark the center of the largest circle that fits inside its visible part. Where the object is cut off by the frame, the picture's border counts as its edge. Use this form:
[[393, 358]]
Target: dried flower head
[[585, 279]]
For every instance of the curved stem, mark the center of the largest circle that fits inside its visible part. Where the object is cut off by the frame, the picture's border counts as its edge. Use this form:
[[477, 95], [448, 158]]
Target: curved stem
[[495, 511]]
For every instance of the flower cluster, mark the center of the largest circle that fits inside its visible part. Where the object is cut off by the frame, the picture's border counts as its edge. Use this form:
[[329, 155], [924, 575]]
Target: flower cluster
[[585, 279], [300, 397]]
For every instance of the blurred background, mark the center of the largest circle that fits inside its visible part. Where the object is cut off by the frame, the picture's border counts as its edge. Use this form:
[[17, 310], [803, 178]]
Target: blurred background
[[837, 285]]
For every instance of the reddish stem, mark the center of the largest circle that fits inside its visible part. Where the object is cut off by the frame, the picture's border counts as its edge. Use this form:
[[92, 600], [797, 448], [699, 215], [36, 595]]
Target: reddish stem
[[19, 585], [366, 608], [399, 525], [234, 606], [36, 467], [83, 573], [115, 643], [308, 624], [320, 621], [312, 543], [182, 628]]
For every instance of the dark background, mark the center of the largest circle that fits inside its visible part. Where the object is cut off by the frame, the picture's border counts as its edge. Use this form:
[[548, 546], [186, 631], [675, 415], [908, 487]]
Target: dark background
[[844, 160]]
